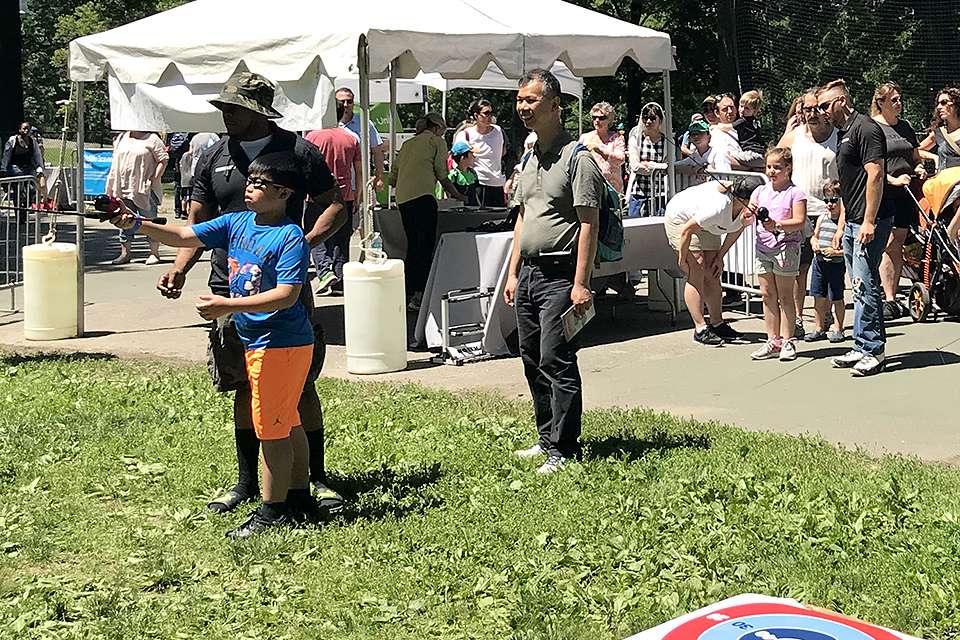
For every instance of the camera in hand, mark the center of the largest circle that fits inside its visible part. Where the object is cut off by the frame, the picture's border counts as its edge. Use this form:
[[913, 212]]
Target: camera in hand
[[763, 214]]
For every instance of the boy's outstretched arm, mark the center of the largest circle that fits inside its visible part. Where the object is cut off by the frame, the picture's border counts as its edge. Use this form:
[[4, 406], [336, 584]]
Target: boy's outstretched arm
[[171, 236]]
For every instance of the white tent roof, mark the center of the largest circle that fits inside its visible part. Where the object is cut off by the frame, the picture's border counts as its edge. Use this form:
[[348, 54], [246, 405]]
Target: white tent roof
[[207, 39], [411, 91], [494, 78]]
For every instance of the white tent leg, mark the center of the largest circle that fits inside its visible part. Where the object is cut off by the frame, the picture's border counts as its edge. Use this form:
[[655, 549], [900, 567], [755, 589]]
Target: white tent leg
[[79, 222], [580, 115], [443, 105], [668, 132], [393, 128], [363, 61]]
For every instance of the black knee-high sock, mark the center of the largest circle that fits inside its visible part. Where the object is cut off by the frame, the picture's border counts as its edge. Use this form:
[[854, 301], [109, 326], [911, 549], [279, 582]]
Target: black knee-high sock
[[248, 457], [315, 443]]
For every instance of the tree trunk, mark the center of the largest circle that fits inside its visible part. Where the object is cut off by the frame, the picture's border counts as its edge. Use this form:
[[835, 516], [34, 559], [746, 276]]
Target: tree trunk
[[11, 73]]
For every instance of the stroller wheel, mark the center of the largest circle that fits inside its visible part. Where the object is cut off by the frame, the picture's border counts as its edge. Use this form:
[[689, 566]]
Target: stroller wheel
[[919, 302]]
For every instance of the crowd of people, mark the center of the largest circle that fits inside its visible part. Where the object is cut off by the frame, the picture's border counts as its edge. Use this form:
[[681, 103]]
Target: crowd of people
[[829, 194], [837, 197]]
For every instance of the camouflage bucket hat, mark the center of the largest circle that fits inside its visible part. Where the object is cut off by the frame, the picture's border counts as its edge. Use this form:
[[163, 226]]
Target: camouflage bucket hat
[[248, 90]]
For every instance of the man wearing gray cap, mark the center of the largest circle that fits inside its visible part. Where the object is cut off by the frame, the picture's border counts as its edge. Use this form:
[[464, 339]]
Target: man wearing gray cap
[[220, 179]]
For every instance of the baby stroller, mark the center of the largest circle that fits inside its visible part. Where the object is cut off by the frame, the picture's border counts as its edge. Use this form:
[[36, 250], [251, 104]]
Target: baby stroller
[[930, 259]]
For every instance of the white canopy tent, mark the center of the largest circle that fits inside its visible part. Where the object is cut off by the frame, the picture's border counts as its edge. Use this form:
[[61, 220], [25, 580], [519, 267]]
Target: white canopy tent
[[207, 40]]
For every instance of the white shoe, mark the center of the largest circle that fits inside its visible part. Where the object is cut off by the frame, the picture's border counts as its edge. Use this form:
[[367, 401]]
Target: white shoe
[[770, 349], [552, 465], [151, 259], [868, 365], [532, 452], [788, 351], [848, 359]]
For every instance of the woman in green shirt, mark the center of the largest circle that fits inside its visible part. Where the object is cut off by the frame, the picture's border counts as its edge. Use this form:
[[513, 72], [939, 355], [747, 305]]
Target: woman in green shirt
[[420, 164]]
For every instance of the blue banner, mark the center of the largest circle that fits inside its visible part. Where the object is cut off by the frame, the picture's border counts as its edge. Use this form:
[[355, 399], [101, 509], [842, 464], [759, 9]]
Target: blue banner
[[96, 166]]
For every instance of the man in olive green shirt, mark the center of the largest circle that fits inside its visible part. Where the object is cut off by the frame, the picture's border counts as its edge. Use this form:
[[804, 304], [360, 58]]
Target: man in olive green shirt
[[554, 245], [421, 163]]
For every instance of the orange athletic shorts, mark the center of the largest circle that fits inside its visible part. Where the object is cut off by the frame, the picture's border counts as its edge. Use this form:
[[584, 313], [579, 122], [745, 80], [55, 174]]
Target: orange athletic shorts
[[276, 380]]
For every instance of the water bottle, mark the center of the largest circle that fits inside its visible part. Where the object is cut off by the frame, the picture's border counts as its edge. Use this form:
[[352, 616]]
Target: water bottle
[[374, 249]]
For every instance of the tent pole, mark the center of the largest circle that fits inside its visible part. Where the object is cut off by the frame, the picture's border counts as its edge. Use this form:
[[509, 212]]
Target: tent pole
[[443, 104], [580, 115], [78, 188], [393, 119], [668, 126], [363, 61]]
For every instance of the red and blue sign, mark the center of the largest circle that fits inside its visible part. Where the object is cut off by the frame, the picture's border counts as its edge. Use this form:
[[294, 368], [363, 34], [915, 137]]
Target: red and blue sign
[[775, 621]]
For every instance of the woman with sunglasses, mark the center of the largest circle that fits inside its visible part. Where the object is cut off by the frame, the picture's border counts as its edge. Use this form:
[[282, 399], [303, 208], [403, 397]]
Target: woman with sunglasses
[[945, 129], [489, 146], [903, 163], [646, 190], [945, 136], [723, 137], [606, 144]]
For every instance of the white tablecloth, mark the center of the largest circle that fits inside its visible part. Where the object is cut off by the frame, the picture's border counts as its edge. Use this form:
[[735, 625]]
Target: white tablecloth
[[468, 259], [462, 260], [390, 226], [645, 246]]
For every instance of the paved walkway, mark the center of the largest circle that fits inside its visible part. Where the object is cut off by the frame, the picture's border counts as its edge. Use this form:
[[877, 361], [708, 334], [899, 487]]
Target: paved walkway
[[635, 359]]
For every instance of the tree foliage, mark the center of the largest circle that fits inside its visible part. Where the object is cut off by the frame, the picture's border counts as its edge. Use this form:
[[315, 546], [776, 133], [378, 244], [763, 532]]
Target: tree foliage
[[721, 46]]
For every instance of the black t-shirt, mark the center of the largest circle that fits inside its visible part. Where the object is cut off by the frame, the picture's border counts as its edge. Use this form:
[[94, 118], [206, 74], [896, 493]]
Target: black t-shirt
[[901, 141], [221, 178], [750, 135], [861, 142]]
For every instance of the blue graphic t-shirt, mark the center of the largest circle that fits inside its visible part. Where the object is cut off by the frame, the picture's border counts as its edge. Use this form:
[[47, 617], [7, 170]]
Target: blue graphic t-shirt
[[259, 258]]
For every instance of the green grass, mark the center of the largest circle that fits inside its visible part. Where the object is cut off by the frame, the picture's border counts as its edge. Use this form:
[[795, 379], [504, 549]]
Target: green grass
[[105, 467]]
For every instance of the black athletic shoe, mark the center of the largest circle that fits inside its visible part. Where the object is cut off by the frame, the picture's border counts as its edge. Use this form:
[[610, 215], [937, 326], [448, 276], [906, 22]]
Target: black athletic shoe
[[889, 310], [707, 337], [255, 524], [231, 499], [327, 499], [725, 331], [306, 512]]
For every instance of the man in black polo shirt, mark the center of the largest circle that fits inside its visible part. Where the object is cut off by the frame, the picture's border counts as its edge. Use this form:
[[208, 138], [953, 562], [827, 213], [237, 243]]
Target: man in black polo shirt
[[218, 187], [861, 150], [554, 244]]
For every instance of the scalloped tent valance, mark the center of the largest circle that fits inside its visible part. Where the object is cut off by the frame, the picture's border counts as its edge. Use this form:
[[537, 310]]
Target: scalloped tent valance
[[206, 40]]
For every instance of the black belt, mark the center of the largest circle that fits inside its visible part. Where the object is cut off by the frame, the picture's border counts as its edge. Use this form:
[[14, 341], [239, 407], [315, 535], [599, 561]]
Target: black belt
[[551, 261]]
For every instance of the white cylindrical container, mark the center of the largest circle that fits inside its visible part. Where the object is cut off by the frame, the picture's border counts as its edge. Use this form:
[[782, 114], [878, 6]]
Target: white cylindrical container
[[375, 316], [50, 291]]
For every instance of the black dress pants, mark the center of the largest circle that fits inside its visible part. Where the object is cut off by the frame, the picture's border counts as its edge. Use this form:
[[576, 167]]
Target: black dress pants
[[549, 361]]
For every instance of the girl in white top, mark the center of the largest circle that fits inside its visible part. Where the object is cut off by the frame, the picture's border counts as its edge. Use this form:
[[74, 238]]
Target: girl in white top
[[695, 219], [489, 146]]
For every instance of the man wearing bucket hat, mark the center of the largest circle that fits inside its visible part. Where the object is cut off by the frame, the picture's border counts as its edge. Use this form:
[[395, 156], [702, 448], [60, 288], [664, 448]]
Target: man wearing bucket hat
[[220, 180]]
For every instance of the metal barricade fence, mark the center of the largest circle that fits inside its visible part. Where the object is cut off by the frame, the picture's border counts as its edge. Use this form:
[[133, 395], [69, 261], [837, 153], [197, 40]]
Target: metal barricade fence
[[19, 227]]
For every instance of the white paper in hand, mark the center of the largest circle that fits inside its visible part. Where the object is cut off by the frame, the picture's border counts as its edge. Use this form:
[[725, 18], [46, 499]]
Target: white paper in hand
[[572, 323]]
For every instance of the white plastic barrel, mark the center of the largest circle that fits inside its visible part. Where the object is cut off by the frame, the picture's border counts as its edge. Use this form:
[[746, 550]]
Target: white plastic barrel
[[375, 317], [50, 291]]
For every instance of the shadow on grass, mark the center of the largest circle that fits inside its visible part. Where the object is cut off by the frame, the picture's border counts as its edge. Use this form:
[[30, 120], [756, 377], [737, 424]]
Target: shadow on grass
[[14, 359], [634, 448], [376, 494]]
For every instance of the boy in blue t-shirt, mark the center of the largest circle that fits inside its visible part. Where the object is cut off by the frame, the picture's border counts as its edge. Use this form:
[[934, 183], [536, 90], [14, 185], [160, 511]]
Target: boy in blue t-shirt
[[268, 258]]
